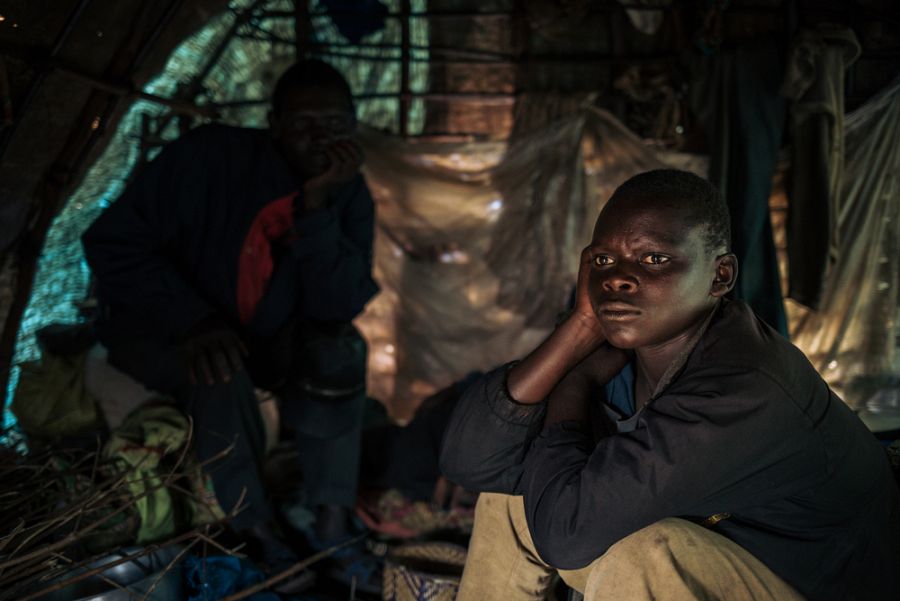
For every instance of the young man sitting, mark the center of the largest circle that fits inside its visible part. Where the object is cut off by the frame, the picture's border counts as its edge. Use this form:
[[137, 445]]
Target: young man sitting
[[663, 442]]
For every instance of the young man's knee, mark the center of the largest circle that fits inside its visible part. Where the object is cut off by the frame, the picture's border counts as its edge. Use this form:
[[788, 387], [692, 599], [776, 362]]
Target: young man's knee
[[686, 561], [499, 511], [492, 503], [502, 562], [658, 534], [658, 538]]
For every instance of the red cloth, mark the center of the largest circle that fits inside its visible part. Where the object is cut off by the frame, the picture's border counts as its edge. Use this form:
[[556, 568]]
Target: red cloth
[[271, 226]]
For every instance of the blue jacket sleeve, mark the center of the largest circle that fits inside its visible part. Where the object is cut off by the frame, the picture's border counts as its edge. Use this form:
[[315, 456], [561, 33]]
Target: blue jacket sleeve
[[334, 256], [487, 437], [698, 454], [130, 246]]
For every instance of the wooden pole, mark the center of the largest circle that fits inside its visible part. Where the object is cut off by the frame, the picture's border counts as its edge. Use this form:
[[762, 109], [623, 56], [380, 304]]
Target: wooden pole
[[302, 29], [405, 102]]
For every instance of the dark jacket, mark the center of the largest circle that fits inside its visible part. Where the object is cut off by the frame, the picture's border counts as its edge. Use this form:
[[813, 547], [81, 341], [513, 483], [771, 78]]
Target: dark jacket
[[166, 254], [747, 428]]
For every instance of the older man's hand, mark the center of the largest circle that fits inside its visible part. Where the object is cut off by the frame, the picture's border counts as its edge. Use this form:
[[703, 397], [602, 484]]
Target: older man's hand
[[345, 159], [214, 352]]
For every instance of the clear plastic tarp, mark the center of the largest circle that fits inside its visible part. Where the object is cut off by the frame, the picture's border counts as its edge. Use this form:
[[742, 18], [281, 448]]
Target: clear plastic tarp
[[477, 245], [853, 339]]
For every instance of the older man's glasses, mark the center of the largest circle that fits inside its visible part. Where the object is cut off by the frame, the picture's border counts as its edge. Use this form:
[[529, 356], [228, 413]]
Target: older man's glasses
[[335, 122]]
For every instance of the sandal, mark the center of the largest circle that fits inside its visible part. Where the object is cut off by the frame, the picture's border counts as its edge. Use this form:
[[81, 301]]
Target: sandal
[[354, 566]]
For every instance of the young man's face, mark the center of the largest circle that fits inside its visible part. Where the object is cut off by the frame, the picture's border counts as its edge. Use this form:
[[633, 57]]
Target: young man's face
[[652, 277], [308, 122]]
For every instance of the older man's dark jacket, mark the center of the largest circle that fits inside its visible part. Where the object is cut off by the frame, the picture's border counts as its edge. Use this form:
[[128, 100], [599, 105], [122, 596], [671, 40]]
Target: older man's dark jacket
[[168, 253]]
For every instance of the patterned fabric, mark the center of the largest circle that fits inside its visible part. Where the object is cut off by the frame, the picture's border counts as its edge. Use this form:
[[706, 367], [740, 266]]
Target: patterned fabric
[[423, 572], [143, 447], [390, 512]]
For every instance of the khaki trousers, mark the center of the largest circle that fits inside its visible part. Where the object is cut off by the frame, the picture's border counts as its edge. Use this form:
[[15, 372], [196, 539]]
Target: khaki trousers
[[671, 560]]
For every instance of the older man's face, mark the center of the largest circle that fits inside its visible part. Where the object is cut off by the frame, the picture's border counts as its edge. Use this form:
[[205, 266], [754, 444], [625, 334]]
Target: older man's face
[[308, 122]]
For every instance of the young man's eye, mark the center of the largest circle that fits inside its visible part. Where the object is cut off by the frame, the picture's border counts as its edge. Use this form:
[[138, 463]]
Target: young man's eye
[[602, 260], [654, 259]]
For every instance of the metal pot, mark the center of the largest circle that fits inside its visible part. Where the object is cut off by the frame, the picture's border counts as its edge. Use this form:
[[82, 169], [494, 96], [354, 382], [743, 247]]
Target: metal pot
[[136, 575]]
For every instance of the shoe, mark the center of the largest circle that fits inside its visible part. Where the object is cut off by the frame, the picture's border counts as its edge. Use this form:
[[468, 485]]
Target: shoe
[[354, 566], [274, 557]]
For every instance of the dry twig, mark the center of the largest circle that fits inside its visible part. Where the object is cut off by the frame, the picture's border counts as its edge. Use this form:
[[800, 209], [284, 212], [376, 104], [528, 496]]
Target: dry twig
[[294, 569], [48, 495]]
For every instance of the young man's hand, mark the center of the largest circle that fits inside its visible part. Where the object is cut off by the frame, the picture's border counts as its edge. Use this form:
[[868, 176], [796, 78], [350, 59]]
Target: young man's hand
[[605, 363], [571, 398], [214, 352], [579, 335], [345, 159], [583, 311]]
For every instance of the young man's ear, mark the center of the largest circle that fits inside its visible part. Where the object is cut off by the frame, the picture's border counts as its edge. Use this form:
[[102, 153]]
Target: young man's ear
[[726, 275]]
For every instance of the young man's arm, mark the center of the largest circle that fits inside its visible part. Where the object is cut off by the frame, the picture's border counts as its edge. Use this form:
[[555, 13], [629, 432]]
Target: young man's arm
[[498, 417], [490, 432], [486, 439], [569, 367], [579, 335], [720, 449], [571, 400]]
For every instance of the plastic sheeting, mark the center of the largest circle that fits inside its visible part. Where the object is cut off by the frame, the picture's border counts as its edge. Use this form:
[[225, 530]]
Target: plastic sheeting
[[852, 340], [477, 245], [477, 248]]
